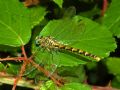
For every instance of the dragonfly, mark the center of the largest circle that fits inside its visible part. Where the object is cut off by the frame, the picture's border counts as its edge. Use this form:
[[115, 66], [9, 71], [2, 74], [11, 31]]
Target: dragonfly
[[50, 44], [61, 43]]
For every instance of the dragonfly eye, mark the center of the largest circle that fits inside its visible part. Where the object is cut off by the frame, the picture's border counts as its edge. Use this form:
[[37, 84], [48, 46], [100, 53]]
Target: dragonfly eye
[[37, 41]]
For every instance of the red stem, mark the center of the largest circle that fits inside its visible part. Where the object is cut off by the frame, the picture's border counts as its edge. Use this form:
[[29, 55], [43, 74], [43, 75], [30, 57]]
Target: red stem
[[23, 52], [45, 72], [104, 7], [22, 70]]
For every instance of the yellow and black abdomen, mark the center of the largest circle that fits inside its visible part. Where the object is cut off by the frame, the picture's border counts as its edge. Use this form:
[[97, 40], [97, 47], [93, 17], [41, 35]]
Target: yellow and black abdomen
[[78, 51]]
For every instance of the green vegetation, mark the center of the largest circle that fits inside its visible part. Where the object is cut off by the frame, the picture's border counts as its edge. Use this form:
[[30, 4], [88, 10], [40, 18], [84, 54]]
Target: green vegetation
[[76, 24]]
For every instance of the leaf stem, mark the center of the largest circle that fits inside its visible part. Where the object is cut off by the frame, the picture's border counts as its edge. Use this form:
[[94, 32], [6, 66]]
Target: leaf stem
[[10, 59], [22, 70], [104, 7]]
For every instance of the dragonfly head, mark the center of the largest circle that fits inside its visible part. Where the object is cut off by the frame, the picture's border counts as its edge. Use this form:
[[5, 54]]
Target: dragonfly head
[[45, 42], [37, 41]]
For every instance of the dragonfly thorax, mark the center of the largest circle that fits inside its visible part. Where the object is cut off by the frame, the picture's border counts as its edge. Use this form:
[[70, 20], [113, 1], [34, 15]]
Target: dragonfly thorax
[[47, 43]]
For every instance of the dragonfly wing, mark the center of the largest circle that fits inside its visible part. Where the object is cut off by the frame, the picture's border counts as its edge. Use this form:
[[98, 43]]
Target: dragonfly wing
[[48, 60], [70, 59], [69, 32], [58, 59]]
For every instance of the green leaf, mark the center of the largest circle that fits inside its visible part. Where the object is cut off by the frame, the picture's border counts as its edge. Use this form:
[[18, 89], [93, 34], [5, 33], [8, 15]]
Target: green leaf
[[13, 68], [16, 22], [31, 72], [80, 33], [75, 86], [1, 66], [72, 74], [59, 2], [49, 85], [91, 65], [113, 65], [115, 83], [112, 18]]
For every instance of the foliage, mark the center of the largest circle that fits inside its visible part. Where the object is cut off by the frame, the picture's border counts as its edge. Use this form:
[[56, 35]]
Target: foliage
[[111, 22], [75, 25], [16, 32]]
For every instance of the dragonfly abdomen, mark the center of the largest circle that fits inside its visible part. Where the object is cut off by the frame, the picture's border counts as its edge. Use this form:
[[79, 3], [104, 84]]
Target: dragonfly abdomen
[[79, 51]]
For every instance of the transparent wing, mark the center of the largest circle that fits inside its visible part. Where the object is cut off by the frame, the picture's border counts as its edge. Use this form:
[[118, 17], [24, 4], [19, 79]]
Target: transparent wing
[[47, 59], [66, 31]]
